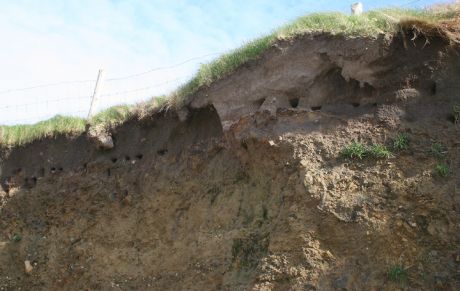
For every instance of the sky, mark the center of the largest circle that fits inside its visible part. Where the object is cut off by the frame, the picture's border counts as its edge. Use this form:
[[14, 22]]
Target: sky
[[157, 44]]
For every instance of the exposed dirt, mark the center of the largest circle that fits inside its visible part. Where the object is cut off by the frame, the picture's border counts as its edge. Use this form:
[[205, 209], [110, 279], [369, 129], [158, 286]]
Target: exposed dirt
[[251, 191]]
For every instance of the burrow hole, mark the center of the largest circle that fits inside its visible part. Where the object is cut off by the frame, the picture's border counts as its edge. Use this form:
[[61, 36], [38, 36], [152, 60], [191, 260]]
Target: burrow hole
[[139, 156], [162, 152], [433, 88], [316, 108], [294, 102], [114, 160], [109, 172], [355, 104], [127, 158]]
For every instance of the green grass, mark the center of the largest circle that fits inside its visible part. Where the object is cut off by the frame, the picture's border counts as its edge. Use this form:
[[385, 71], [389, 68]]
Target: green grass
[[355, 150], [401, 142], [21, 134], [379, 151], [437, 150], [112, 116], [397, 274], [370, 24], [442, 170]]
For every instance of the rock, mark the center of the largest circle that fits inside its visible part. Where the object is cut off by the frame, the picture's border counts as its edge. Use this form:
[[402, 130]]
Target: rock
[[104, 142], [28, 267], [405, 95], [3, 245]]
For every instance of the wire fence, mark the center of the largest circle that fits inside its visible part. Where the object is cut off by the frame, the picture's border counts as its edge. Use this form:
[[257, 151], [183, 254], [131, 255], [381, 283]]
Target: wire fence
[[74, 98]]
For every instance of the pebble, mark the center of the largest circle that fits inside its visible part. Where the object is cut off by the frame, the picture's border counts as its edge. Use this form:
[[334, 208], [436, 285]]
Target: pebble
[[28, 267]]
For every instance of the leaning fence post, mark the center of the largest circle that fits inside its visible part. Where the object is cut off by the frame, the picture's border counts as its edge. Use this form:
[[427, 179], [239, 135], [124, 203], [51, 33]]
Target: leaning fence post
[[97, 90]]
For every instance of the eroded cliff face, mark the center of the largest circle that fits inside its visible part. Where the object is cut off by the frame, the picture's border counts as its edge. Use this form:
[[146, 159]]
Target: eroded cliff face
[[251, 190]]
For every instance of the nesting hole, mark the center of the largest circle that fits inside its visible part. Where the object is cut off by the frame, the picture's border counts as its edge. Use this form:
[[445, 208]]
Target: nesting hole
[[316, 108], [433, 88], [294, 102], [114, 160], [162, 152], [109, 172], [139, 156], [355, 104], [127, 158], [244, 145]]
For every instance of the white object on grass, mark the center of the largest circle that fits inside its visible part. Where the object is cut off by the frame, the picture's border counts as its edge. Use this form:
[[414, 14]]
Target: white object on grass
[[357, 8]]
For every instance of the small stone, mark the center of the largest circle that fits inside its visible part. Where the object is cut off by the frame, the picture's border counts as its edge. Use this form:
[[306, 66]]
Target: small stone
[[28, 267], [3, 245]]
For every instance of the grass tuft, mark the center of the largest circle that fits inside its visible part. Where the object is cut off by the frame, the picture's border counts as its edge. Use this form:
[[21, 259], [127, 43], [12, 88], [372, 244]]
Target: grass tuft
[[17, 135], [111, 117], [442, 170], [437, 150], [355, 150], [397, 274], [401, 142], [379, 151]]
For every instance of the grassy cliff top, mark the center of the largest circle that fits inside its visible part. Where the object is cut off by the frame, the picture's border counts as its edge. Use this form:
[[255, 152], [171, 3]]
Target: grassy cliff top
[[370, 24]]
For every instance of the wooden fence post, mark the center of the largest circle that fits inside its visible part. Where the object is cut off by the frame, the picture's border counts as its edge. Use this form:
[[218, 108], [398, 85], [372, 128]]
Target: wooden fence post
[[96, 93]]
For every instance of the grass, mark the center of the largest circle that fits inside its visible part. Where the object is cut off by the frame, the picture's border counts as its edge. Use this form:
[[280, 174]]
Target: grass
[[401, 142], [437, 150], [17, 135], [112, 116], [357, 150], [379, 151], [16, 238], [442, 170], [370, 24], [397, 274]]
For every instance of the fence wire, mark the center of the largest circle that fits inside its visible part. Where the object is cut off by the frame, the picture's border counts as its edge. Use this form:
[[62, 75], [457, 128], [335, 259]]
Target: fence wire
[[35, 103]]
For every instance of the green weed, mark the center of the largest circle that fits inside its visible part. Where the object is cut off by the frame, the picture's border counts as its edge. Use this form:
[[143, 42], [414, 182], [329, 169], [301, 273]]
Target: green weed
[[442, 169], [397, 274], [379, 151], [437, 150], [401, 142], [355, 150]]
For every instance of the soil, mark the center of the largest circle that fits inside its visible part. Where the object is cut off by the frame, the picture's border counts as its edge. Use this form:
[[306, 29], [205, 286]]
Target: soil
[[251, 191]]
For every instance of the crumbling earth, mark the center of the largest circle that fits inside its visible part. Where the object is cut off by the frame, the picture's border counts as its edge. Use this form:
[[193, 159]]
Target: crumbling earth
[[251, 191]]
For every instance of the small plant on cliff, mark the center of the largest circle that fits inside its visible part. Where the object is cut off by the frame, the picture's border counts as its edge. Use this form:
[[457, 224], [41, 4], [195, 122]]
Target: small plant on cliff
[[456, 114], [397, 274], [16, 238], [442, 170], [437, 150], [379, 151], [355, 150], [401, 142]]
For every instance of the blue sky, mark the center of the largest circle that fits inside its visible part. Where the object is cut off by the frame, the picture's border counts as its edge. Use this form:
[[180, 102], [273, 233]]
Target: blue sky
[[51, 41]]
